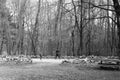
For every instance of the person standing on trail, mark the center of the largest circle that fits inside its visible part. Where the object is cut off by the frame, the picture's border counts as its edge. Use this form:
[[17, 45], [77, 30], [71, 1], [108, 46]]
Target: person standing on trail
[[57, 54]]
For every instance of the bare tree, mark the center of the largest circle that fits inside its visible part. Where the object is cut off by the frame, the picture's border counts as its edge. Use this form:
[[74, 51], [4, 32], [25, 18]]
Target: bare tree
[[117, 11]]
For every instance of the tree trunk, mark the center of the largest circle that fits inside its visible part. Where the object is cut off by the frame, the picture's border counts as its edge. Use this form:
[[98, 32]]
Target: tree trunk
[[35, 41], [89, 33], [117, 11], [108, 29], [73, 45], [81, 30], [1, 47], [57, 25]]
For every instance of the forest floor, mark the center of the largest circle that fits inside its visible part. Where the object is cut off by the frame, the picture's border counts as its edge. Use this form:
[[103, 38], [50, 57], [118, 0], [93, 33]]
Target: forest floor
[[51, 69]]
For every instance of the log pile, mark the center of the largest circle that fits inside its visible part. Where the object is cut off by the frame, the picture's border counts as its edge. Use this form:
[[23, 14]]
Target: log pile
[[88, 59]]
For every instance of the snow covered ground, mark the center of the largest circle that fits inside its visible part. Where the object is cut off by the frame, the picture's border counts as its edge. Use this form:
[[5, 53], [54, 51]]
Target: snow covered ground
[[58, 61]]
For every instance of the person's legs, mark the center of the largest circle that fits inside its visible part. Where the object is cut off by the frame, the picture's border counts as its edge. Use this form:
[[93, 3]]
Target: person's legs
[[57, 55], [40, 56]]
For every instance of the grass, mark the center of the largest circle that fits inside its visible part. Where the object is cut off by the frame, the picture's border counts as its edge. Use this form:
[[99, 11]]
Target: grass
[[53, 71]]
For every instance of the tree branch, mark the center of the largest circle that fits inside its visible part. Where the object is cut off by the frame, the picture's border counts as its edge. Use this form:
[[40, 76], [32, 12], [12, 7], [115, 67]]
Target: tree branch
[[103, 17]]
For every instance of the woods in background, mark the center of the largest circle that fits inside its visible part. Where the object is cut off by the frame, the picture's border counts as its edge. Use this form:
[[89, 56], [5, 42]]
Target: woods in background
[[74, 27]]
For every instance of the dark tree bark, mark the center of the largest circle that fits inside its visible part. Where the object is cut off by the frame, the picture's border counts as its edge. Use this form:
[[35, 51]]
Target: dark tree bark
[[108, 29], [89, 33], [73, 43], [117, 11], [81, 30], [79, 25], [35, 34], [57, 25]]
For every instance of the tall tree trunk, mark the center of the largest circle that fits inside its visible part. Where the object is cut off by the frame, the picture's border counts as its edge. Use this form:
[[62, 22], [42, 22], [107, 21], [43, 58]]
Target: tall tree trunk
[[79, 25], [108, 29], [81, 30], [113, 45], [1, 47], [89, 33], [73, 44], [58, 23], [117, 11], [21, 27], [35, 41]]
